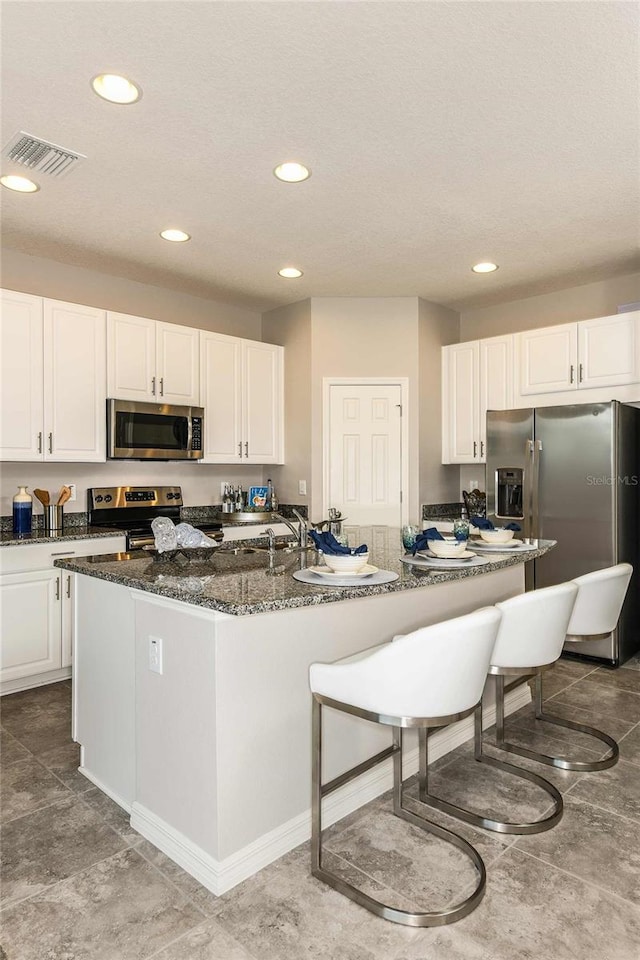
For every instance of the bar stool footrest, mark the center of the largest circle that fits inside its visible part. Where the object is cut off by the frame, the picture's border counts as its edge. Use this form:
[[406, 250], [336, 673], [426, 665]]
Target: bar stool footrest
[[581, 766]]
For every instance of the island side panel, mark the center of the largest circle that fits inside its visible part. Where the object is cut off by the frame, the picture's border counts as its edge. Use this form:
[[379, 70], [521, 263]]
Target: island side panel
[[104, 687], [177, 766], [264, 703]]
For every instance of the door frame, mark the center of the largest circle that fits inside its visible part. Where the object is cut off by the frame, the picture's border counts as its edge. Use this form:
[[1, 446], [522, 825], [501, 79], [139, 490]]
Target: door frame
[[403, 383]]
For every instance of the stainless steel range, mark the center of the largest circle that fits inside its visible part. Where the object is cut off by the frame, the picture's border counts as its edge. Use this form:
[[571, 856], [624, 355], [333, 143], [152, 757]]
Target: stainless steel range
[[132, 509]]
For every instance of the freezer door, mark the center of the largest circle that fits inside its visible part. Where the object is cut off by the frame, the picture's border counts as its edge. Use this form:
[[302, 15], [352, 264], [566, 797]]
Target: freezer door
[[508, 465], [576, 498], [628, 523]]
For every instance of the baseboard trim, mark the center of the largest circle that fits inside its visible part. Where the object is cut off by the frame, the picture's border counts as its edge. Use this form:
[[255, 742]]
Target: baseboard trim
[[101, 786], [37, 680], [218, 876]]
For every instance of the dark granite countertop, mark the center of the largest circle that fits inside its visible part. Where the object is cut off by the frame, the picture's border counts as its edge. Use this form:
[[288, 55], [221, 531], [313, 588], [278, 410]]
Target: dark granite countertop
[[237, 583], [71, 532]]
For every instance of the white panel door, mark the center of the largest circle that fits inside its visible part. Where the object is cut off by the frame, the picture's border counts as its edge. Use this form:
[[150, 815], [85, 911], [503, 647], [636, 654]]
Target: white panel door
[[460, 403], [496, 381], [74, 382], [21, 377], [177, 363], [221, 397], [262, 403], [548, 359], [131, 357], [609, 351], [365, 453], [31, 623]]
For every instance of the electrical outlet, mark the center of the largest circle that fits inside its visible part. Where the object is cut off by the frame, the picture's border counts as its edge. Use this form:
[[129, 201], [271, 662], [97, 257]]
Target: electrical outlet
[[473, 485], [302, 488], [72, 487], [155, 654]]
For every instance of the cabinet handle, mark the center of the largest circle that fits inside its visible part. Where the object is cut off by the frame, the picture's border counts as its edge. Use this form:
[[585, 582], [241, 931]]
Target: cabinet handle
[[571, 374], [153, 386], [580, 377], [481, 449], [40, 442], [64, 553], [69, 587], [240, 449], [50, 443], [246, 448], [58, 588], [162, 386], [475, 448]]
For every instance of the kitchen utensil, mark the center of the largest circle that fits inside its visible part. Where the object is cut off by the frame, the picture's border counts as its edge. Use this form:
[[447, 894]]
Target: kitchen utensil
[[53, 519], [43, 497], [63, 496]]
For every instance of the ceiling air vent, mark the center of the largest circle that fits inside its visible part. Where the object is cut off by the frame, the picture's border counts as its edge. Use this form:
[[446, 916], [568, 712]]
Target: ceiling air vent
[[34, 154]]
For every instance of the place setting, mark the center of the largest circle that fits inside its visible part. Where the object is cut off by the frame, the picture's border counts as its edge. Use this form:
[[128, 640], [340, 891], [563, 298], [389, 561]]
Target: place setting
[[344, 566], [491, 539], [432, 551]]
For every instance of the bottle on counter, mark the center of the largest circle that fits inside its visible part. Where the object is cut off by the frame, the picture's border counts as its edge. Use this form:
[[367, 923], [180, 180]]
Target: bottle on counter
[[227, 500], [22, 513], [275, 503], [269, 504], [239, 499]]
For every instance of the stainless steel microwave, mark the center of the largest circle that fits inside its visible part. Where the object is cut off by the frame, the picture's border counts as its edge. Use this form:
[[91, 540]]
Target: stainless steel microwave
[[153, 431]]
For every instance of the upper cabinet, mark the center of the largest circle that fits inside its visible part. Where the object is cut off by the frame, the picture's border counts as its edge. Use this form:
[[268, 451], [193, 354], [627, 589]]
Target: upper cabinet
[[604, 352], [152, 361], [476, 376], [53, 384], [243, 397]]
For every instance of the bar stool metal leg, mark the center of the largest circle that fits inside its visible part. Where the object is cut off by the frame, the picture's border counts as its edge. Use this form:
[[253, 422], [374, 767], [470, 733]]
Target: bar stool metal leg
[[319, 790], [476, 819], [583, 766]]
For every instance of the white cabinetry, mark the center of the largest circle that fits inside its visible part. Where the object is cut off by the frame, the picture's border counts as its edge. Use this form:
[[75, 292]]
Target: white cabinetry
[[53, 380], [36, 601], [150, 361], [603, 352], [476, 376], [242, 396]]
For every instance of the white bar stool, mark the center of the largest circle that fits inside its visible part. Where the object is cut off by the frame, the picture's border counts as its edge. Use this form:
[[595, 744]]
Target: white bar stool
[[597, 609], [529, 641], [429, 678]]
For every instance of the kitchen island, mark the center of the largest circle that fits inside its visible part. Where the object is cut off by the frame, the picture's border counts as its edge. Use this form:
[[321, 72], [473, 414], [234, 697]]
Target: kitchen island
[[191, 698]]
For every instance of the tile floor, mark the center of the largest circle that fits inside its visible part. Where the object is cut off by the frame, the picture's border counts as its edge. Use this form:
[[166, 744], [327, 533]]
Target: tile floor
[[80, 884]]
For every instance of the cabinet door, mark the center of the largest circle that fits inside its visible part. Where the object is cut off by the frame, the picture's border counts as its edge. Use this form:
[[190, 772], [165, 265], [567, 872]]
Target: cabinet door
[[131, 358], [460, 403], [263, 431], [21, 377], [548, 359], [31, 624], [221, 397], [74, 382], [496, 381], [177, 363], [609, 351]]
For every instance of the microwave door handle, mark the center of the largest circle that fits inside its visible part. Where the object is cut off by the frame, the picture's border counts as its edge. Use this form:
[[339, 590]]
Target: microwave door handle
[[189, 433]]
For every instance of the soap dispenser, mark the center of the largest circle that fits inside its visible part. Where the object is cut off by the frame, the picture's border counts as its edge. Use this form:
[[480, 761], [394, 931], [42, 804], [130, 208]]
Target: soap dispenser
[[22, 512]]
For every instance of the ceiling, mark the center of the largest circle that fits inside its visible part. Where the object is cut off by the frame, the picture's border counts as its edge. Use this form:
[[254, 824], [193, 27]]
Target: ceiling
[[438, 134]]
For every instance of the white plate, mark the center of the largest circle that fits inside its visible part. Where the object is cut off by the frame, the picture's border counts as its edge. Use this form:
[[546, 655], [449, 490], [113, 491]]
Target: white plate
[[351, 583], [366, 571], [515, 546], [429, 555], [428, 564]]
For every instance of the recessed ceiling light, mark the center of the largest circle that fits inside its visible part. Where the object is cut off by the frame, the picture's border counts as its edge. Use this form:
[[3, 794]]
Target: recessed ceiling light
[[292, 172], [485, 267], [21, 184], [116, 89], [290, 273], [175, 236]]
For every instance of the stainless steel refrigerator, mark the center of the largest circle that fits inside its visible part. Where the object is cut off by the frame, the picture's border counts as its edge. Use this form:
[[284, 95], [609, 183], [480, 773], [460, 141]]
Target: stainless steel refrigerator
[[572, 474]]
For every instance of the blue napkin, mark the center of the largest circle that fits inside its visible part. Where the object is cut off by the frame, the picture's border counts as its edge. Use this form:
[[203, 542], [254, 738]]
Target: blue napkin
[[483, 524], [422, 540], [328, 544]]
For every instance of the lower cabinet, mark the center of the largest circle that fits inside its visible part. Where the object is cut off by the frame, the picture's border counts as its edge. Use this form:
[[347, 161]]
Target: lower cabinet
[[36, 611]]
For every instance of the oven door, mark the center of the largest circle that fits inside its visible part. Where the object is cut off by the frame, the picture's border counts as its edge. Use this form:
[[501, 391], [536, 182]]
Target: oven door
[[153, 431]]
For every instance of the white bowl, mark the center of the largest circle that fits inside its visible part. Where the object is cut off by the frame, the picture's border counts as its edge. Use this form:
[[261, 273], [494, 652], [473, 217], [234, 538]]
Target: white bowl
[[346, 562], [496, 536], [447, 548]]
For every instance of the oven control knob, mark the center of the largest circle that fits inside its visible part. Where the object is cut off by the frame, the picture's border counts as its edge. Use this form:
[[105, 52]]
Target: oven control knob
[[99, 498], [108, 498], [169, 496]]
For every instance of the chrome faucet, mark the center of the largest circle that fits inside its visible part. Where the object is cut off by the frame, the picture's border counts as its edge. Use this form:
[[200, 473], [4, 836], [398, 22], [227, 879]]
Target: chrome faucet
[[301, 534]]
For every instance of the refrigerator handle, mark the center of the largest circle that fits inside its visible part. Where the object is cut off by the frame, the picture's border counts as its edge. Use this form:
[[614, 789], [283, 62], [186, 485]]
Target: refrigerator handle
[[527, 505], [535, 487]]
